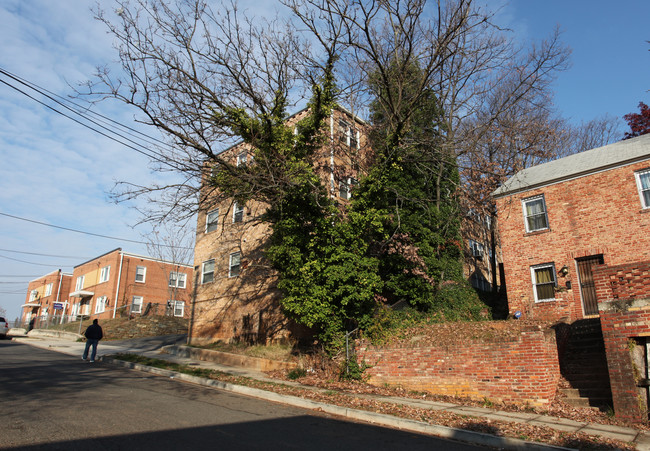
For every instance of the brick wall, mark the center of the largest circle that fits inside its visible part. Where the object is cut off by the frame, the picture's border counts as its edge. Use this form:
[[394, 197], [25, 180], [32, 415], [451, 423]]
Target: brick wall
[[523, 369], [591, 215], [624, 305]]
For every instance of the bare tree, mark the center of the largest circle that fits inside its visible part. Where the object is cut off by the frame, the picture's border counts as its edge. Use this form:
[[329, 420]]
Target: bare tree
[[597, 132], [199, 76]]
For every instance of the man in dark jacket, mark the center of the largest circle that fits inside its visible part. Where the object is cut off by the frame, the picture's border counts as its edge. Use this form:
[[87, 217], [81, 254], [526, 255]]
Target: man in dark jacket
[[93, 334]]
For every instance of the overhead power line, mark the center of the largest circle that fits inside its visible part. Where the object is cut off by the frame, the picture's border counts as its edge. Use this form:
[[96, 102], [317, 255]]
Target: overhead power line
[[45, 255], [88, 233], [108, 132]]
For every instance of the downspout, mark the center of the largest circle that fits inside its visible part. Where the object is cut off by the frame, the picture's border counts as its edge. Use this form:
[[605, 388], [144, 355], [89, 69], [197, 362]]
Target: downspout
[[58, 294], [117, 288], [332, 186]]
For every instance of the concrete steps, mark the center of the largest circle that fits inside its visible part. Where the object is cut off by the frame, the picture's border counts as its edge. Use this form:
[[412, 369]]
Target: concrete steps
[[583, 365]]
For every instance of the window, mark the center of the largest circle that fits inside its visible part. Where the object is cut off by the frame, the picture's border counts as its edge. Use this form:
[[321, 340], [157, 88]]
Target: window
[[235, 264], [477, 249], [544, 282], [241, 159], [178, 307], [348, 135], [104, 274], [140, 273], [207, 271], [100, 305], [33, 295], [80, 283], [345, 188], [643, 184], [237, 213], [136, 306], [48, 289], [177, 279], [535, 214], [212, 221]]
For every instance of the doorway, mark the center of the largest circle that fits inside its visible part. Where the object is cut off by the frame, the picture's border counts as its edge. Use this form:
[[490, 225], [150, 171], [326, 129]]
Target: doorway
[[586, 281]]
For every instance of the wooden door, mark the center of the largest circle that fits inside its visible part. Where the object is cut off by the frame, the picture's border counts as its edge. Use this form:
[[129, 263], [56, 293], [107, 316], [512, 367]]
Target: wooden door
[[587, 286]]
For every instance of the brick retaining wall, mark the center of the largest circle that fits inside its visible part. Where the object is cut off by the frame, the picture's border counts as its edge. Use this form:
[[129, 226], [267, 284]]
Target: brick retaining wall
[[523, 369]]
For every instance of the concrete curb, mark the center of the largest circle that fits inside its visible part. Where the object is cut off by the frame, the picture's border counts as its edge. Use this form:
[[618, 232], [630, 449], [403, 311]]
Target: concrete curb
[[226, 358], [44, 333], [476, 438]]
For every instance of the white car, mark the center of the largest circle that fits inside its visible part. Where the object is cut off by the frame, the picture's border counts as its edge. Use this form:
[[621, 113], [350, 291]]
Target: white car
[[4, 327]]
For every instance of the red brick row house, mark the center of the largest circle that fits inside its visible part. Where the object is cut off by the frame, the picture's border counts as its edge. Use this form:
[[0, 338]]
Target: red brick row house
[[117, 283], [47, 296], [575, 240]]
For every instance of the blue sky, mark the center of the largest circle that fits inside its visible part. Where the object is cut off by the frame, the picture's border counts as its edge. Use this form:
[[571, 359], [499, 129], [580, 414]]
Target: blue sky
[[58, 172]]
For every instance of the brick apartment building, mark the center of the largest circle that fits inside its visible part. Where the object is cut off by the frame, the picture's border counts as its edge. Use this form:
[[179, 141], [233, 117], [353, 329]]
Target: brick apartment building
[[575, 237], [47, 296], [236, 298], [119, 283], [114, 284]]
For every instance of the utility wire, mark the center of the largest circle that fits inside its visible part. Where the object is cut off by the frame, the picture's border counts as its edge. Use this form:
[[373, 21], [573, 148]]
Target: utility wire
[[88, 233], [44, 255], [149, 155], [30, 263], [51, 95]]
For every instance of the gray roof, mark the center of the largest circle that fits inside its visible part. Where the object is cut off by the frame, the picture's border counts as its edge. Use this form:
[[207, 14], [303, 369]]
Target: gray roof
[[578, 165]]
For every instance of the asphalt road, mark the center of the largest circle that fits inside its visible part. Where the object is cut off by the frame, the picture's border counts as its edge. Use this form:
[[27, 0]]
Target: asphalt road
[[52, 401]]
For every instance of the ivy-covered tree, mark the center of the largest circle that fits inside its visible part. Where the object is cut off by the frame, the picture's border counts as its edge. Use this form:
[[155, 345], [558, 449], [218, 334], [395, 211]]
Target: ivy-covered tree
[[412, 189]]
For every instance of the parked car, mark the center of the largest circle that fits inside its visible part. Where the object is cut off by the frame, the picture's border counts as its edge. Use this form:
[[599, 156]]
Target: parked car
[[4, 327]]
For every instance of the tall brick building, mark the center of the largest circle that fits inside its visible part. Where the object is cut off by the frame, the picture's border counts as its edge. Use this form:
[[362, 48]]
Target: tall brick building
[[236, 298]]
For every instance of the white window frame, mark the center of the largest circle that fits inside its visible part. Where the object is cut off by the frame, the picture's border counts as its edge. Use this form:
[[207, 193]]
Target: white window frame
[[345, 188], [234, 264], [212, 220], [104, 274], [477, 249], [144, 273], [348, 134], [524, 202], [79, 285], [645, 202], [177, 279], [204, 273], [33, 295], [48, 289], [178, 308], [100, 304], [137, 301], [237, 213], [241, 158], [535, 284]]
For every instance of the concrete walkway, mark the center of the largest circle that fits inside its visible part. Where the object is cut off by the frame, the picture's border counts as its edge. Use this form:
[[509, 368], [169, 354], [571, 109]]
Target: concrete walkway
[[152, 348]]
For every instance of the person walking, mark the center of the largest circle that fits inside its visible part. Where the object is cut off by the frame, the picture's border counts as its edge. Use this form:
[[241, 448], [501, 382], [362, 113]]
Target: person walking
[[93, 334]]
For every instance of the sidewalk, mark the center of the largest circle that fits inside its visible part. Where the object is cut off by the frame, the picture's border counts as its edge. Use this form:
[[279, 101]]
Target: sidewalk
[[641, 440]]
